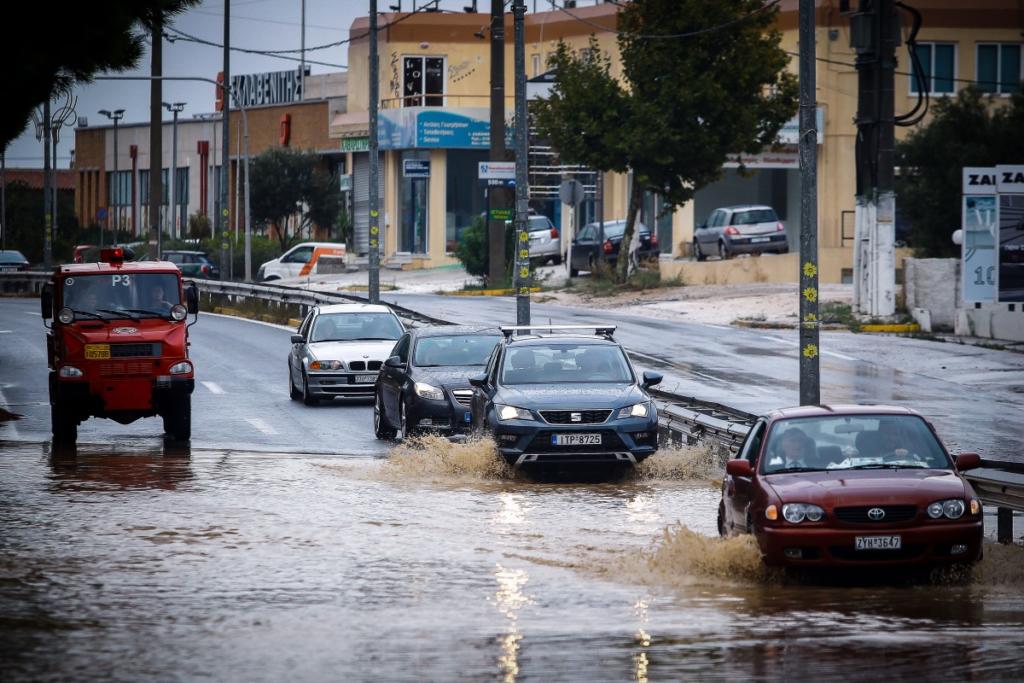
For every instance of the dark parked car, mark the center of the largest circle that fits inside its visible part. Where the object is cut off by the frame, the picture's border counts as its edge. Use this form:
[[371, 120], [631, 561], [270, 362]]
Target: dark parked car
[[13, 260], [588, 247], [851, 485], [748, 229], [196, 264], [565, 398], [425, 383]]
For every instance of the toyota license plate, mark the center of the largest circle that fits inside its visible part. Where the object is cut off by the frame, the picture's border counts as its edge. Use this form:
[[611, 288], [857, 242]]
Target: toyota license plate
[[878, 542], [576, 439], [97, 351], [760, 239], [366, 379]]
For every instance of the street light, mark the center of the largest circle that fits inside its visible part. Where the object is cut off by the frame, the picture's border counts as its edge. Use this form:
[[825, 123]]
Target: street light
[[114, 116], [174, 109]]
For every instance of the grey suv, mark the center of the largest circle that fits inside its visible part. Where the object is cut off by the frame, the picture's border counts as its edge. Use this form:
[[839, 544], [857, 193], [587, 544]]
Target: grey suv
[[747, 229]]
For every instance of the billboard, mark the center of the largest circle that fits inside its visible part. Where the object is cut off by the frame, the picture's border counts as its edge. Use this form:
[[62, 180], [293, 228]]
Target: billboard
[[1011, 247], [980, 227]]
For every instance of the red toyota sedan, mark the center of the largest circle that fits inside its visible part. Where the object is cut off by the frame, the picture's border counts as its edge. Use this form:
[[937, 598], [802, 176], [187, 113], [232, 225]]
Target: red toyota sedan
[[853, 486]]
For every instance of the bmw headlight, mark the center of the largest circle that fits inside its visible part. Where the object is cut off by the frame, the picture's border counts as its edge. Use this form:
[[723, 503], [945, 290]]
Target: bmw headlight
[[428, 391], [326, 365], [512, 413], [953, 508], [794, 513], [638, 410]]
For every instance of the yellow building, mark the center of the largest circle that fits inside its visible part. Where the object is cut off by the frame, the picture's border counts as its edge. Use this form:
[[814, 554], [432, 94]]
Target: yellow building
[[435, 84]]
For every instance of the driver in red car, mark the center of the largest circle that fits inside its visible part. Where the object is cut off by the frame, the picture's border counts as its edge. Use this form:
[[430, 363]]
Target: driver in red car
[[796, 449]]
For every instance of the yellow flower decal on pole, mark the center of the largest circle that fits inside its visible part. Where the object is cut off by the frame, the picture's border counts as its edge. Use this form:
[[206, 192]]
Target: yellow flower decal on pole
[[524, 253], [524, 237], [810, 318], [524, 272], [811, 294], [810, 270], [811, 350]]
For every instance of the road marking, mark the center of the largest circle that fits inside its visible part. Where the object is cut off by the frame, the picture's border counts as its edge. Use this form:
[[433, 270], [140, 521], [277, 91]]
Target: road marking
[[32, 313], [249, 320], [213, 387], [6, 331], [261, 425], [784, 341], [11, 423], [719, 327], [839, 355]]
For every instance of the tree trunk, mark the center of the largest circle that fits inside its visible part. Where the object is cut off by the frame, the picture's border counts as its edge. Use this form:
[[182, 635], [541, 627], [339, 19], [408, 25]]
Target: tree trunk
[[622, 265]]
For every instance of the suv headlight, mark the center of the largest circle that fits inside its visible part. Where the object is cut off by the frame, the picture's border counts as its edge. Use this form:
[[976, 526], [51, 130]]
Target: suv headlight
[[429, 391], [794, 513], [326, 365], [512, 413], [637, 410], [953, 508]]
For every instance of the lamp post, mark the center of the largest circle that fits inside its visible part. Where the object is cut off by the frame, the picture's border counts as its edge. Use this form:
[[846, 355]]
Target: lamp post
[[114, 116], [175, 109]]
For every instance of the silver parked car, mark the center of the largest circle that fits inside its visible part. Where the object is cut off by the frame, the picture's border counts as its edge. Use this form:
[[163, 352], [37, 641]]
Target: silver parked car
[[339, 350], [748, 229], [545, 242]]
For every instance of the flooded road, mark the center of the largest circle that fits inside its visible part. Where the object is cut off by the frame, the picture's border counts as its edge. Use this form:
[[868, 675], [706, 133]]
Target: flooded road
[[438, 565]]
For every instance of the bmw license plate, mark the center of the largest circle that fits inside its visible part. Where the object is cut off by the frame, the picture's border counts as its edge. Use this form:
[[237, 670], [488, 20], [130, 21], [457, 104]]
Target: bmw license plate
[[878, 542], [97, 351], [760, 239], [366, 379], [576, 439]]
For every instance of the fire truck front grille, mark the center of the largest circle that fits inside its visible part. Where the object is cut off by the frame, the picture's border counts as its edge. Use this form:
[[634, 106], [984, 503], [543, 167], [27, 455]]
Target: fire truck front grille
[[135, 350], [126, 369]]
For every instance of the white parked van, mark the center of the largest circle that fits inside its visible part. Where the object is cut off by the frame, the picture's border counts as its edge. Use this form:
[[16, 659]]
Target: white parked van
[[301, 260]]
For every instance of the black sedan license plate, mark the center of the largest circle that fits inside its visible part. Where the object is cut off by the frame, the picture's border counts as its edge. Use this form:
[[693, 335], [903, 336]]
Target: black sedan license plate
[[878, 542], [576, 439]]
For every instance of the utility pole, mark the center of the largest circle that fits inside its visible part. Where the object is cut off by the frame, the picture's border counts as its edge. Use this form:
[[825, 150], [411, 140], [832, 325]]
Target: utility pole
[[113, 192], [156, 132], [175, 109], [874, 268], [497, 192], [222, 216], [3, 199], [810, 372], [302, 62], [374, 284], [522, 191], [47, 184]]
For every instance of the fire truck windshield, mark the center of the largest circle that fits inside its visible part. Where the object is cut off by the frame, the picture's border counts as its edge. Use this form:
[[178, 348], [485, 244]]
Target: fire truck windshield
[[127, 295]]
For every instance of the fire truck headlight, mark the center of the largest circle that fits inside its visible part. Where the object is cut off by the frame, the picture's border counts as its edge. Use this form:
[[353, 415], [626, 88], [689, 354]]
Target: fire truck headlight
[[182, 368], [70, 371], [178, 312], [66, 316]]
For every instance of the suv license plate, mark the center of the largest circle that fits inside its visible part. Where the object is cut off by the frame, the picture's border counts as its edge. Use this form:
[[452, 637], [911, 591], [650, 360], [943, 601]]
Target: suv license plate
[[576, 439], [97, 351], [366, 379], [878, 542]]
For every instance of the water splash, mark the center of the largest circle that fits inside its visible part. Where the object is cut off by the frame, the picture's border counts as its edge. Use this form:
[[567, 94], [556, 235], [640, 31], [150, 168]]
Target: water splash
[[432, 456], [685, 463], [683, 557]]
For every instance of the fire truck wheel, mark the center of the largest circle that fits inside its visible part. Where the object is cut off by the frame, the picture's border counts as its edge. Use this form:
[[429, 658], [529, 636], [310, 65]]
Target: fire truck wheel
[[63, 425], [178, 420]]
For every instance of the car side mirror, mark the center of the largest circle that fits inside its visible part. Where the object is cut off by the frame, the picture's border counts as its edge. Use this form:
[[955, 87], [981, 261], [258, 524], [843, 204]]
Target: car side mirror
[[739, 468], [46, 301], [480, 381], [651, 379], [192, 298], [702, 226], [968, 461], [394, 362], [298, 339]]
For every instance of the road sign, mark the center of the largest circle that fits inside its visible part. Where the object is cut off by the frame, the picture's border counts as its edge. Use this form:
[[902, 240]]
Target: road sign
[[501, 214], [345, 182], [496, 170], [571, 192], [416, 168], [101, 213]]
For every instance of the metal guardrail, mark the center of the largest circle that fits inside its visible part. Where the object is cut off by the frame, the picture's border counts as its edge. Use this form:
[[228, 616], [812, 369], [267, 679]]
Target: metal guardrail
[[1000, 484]]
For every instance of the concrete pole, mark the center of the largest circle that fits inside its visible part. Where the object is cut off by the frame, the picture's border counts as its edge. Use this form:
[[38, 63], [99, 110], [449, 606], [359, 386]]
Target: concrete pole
[[497, 195], [174, 173], [117, 193], [374, 283], [248, 218], [156, 133], [47, 197], [810, 377], [522, 190], [225, 139]]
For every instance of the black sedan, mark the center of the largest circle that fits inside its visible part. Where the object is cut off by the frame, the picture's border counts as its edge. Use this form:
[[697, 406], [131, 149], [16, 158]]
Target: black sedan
[[424, 385], [588, 247], [567, 398]]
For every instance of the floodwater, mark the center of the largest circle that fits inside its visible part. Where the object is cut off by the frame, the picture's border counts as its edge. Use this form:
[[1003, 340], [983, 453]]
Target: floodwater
[[437, 564]]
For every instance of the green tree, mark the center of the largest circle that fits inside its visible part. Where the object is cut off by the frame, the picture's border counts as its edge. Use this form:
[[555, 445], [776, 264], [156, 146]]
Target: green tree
[[287, 182], [964, 131], [49, 48], [25, 222], [690, 95], [473, 252]]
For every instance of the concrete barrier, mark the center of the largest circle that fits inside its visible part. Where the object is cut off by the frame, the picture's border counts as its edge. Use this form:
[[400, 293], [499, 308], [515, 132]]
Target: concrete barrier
[[932, 290]]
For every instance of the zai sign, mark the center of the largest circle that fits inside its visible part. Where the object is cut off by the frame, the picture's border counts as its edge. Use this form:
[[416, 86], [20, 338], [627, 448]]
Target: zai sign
[[993, 234], [1010, 186]]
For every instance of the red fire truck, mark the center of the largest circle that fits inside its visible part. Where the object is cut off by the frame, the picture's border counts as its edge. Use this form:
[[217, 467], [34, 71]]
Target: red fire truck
[[118, 344]]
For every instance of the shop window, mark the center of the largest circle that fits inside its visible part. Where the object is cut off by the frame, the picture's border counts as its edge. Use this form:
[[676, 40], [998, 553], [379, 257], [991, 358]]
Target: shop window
[[938, 66], [464, 201], [999, 67], [423, 81]]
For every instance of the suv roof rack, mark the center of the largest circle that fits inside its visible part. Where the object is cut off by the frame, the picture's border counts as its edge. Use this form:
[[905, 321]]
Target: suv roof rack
[[605, 331]]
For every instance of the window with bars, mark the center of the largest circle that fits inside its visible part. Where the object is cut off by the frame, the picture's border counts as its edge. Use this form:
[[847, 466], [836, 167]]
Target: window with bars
[[938, 67], [423, 81], [119, 193], [999, 68]]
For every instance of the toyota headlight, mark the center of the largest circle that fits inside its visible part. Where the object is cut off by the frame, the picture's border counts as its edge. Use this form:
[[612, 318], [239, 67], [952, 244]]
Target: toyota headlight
[[794, 513], [512, 413], [637, 410], [326, 365], [428, 391], [953, 508]]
